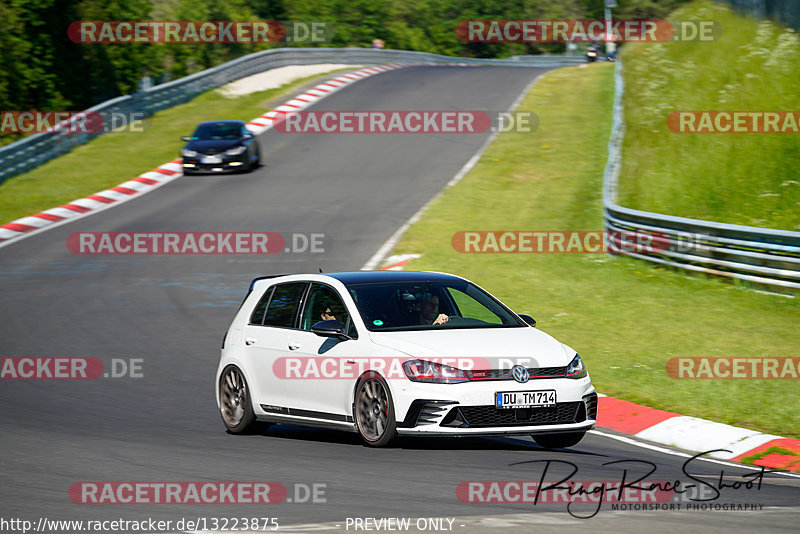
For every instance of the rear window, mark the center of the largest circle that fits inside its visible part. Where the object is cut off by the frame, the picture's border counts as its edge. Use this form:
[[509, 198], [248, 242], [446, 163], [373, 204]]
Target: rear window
[[258, 313], [283, 305]]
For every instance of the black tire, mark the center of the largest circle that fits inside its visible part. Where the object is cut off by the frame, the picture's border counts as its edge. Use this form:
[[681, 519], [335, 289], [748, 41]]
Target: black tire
[[558, 441], [235, 405], [374, 411]]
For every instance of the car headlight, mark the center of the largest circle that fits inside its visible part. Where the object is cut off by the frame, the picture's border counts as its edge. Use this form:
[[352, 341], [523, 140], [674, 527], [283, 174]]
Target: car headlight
[[188, 153], [576, 369], [235, 151], [424, 371]]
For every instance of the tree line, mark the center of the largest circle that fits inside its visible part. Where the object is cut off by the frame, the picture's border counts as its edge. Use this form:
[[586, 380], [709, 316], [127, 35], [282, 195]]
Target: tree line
[[41, 68]]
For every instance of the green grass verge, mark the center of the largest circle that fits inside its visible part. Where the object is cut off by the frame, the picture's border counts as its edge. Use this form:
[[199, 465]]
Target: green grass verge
[[626, 317], [772, 450], [114, 158], [748, 179]]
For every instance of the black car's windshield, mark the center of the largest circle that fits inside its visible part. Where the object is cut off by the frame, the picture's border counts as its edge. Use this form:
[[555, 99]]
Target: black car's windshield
[[206, 132], [396, 306]]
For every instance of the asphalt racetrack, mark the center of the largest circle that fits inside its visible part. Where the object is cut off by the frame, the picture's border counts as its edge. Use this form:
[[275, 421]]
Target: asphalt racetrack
[[171, 311]]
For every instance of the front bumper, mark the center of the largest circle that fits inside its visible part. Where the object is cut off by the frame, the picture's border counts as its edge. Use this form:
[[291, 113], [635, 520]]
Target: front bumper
[[228, 164], [468, 409]]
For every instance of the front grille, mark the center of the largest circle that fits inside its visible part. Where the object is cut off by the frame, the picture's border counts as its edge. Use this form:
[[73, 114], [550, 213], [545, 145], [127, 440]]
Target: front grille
[[488, 416], [505, 374]]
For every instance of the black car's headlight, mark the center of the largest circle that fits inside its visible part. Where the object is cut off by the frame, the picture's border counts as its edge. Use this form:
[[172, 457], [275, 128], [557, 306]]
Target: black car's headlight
[[235, 151], [576, 369], [188, 153]]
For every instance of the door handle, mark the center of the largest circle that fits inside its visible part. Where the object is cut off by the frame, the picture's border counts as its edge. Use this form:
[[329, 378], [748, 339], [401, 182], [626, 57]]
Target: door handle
[[249, 340], [294, 345]]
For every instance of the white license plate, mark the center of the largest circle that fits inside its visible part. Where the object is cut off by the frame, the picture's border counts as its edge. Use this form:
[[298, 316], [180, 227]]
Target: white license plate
[[525, 399], [211, 159]]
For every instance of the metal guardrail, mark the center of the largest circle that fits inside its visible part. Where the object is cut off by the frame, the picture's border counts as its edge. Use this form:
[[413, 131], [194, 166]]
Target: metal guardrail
[[758, 255], [30, 152]]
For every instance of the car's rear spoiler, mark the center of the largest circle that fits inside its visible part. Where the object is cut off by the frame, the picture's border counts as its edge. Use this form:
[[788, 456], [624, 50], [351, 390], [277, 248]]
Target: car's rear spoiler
[[266, 277]]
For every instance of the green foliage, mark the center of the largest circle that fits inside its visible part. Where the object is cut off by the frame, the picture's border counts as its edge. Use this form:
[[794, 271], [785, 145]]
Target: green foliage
[[40, 68], [748, 179]]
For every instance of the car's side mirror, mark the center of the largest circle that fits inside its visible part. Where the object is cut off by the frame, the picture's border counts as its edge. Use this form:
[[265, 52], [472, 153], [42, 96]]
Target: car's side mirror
[[186, 138], [528, 319], [330, 328]]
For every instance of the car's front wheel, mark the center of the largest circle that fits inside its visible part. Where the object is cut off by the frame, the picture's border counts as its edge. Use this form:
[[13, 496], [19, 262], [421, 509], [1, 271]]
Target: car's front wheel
[[374, 411], [234, 402], [558, 441]]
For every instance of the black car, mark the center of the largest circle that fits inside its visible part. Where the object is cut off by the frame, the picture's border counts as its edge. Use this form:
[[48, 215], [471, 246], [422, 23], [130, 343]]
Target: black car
[[220, 146]]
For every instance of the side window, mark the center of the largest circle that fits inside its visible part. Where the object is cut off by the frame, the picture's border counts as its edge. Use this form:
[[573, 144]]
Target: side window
[[258, 313], [324, 303], [283, 306], [471, 308]]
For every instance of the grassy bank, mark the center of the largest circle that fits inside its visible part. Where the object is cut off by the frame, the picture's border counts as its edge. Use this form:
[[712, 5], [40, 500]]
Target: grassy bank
[[626, 317], [749, 179], [116, 157]]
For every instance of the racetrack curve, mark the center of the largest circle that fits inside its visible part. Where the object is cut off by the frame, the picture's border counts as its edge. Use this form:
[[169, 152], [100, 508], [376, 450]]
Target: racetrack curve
[[171, 311]]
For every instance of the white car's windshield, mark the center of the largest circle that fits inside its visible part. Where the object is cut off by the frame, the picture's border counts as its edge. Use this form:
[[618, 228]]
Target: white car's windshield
[[398, 306]]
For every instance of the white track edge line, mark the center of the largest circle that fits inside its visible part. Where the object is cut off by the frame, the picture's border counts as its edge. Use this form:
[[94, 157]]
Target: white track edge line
[[637, 443]]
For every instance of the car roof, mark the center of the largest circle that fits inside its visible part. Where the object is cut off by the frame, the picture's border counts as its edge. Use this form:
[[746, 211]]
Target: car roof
[[239, 123], [360, 277], [372, 277], [368, 277]]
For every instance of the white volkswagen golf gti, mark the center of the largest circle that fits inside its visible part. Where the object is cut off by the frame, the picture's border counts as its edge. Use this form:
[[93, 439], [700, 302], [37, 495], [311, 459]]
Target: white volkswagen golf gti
[[387, 353]]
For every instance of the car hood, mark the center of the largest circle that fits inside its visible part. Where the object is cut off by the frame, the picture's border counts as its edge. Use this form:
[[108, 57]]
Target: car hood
[[532, 347], [212, 146]]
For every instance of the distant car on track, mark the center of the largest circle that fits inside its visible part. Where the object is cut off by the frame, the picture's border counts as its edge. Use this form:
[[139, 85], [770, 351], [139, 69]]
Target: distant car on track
[[387, 353], [220, 146]]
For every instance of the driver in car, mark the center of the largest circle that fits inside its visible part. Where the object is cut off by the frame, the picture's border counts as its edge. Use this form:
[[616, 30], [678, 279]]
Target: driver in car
[[429, 312], [328, 311]]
